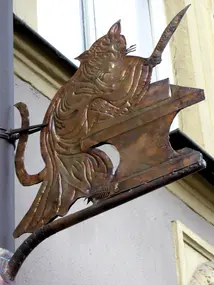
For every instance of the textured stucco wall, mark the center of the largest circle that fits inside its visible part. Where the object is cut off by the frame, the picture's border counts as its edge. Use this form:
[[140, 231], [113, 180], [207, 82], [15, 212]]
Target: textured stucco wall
[[131, 244]]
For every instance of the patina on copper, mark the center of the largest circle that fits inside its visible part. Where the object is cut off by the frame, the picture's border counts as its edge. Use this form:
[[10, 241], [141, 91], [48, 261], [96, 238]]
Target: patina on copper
[[109, 99]]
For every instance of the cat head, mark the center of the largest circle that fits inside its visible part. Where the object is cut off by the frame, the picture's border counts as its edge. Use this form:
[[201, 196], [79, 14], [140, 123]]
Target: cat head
[[112, 44]]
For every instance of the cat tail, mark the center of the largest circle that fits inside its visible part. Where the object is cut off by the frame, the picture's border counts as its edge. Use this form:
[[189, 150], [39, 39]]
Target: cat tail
[[168, 33], [43, 209], [24, 178]]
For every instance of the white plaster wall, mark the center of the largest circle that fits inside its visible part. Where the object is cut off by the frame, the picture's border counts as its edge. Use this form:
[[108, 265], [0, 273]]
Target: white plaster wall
[[131, 244]]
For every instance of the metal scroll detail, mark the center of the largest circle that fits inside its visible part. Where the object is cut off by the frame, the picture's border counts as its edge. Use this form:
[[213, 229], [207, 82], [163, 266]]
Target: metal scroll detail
[[109, 99]]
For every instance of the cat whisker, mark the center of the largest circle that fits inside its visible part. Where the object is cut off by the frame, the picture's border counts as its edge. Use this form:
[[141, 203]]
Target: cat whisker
[[132, 48]]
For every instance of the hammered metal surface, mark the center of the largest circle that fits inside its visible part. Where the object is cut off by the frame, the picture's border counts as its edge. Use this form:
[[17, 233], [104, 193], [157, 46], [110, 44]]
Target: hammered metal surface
[[108, 100]]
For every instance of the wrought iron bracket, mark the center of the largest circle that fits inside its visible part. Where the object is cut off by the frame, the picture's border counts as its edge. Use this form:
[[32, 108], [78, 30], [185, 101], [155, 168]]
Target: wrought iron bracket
[[5, 136], [12, 135]]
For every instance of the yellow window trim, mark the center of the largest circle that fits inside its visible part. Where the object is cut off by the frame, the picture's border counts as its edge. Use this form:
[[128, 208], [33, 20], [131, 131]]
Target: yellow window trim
[[192, 58], [182, 235]]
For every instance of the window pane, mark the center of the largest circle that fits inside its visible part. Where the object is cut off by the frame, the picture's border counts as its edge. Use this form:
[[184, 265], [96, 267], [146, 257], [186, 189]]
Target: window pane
[[60, 23]]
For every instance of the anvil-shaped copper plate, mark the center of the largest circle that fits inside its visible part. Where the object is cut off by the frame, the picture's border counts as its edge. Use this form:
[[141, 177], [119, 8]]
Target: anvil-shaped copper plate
[[143, 138]]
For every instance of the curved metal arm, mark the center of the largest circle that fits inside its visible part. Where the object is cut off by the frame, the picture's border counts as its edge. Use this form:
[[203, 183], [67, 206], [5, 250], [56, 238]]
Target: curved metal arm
[[48, 230]]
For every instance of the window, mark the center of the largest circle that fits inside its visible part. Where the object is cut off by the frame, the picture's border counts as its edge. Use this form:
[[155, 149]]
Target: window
[[61, 24], [190, 252], [72, 26]]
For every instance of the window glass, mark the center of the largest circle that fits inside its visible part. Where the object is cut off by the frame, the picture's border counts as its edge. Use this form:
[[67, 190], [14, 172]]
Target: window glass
[[60, 23]]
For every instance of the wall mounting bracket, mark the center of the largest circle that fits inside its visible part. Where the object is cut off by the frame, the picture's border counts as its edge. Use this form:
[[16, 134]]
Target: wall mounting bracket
[[12, 135]]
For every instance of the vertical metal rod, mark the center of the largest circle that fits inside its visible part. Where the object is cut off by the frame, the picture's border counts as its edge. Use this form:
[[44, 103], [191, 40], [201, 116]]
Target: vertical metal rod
[[6, 122]]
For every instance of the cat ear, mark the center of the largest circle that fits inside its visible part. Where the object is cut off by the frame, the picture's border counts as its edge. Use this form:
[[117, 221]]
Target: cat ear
[[83, 56], [115, 30]]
